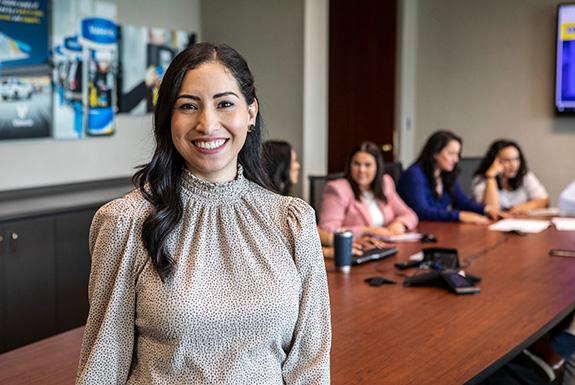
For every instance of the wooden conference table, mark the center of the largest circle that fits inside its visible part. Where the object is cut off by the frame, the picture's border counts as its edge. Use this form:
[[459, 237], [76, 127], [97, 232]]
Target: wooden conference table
[[397, 335]]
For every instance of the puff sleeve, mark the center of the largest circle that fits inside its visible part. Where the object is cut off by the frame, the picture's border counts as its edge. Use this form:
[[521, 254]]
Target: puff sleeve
[[108, 342], [307, 360]]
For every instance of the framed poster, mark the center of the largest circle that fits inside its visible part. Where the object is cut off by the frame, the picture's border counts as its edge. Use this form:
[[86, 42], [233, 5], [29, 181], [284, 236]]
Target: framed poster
[[85, 57], [23, 33], [145, 54], [25, 106]]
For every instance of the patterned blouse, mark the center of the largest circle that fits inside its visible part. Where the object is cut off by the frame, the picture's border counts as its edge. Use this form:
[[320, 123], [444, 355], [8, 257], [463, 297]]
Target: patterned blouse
[[247, 302]]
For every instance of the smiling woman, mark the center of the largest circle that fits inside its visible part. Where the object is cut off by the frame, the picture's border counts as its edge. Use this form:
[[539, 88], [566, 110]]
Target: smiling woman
[[210, 122], [365, 202], [202, 274]]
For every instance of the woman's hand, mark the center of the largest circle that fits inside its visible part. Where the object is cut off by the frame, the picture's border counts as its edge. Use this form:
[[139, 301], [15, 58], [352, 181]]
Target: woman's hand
[[368, 243], [495, 169], [494, 213], [524, 208], [472, 218], [397, 228], [519, 210], [356, 249]]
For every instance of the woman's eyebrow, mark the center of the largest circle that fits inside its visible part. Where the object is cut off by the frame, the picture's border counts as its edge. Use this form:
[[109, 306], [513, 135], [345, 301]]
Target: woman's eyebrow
[[219, 95], [188, 96]]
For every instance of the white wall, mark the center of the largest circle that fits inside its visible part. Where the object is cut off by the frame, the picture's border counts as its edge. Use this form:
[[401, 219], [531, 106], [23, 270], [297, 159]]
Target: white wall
[[315, 97], [485, 69], [406, 81], [40, 162]]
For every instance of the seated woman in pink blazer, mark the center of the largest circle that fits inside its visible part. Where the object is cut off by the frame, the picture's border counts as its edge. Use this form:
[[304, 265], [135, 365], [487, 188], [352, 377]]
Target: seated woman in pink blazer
[[365, 201]]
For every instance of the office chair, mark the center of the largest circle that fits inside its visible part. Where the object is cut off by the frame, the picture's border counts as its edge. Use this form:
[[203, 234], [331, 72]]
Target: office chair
[[394, 170], [467, 167], [316, 183]]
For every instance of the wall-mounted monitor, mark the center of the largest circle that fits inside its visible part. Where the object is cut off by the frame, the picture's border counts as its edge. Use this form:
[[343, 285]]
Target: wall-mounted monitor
[[565, 59]]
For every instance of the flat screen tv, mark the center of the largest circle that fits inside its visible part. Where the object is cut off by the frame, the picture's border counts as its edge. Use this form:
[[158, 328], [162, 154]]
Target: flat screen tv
[[565, 59]]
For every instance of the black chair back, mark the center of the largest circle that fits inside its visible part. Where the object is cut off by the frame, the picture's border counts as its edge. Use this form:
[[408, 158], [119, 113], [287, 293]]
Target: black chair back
[[394, 170], [316, 183], [467, 166]]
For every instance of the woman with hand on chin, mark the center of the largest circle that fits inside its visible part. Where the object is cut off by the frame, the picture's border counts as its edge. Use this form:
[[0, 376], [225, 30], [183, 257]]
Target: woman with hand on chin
[[202, 274], [430, 186], [503, 180], [365, 201]]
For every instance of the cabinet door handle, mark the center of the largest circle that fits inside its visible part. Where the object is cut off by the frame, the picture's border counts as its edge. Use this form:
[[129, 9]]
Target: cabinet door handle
[[13, 243]]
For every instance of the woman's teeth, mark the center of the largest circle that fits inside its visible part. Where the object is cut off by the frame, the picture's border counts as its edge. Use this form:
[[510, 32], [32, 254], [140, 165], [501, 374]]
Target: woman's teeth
[[210, 145]]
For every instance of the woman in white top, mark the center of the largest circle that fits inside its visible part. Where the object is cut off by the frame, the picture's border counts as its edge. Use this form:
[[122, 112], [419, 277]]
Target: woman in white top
[[503, 180]]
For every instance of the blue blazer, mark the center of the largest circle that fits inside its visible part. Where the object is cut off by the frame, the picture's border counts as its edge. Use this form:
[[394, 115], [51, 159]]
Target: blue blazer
[[416, 191]]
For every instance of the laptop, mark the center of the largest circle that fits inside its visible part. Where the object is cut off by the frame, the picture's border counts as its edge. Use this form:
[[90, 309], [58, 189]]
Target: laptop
[[374, 255]]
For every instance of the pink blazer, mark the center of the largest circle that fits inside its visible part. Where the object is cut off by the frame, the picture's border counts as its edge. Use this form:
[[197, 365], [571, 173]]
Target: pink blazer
[[340, 209]]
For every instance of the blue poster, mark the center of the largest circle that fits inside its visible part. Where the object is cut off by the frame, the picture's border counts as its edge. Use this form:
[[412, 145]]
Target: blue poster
[[23, 33], [85, 45]]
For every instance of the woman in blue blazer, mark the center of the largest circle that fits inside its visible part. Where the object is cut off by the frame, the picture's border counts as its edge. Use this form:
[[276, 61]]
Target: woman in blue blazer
[[430, 186]]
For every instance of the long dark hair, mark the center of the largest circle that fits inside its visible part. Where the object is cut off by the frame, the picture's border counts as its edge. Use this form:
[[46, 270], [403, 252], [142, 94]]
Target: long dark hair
[[377, 184], [515, 182], [435, 143], [277, 164], [160, 180]]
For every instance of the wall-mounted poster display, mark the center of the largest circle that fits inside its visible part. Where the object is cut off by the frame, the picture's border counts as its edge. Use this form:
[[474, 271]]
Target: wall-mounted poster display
[[25, 94], [24, 106], [145, 54], [23, 33], [85, 50]]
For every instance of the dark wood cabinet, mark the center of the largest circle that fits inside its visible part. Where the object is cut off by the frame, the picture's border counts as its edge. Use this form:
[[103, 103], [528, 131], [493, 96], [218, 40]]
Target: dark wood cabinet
[[72, 268], [44, 273], [45, 258], [28, 281]]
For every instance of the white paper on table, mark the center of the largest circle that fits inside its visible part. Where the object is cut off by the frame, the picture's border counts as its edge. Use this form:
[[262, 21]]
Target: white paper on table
[[407, 237], [522, 225], [564, 224]]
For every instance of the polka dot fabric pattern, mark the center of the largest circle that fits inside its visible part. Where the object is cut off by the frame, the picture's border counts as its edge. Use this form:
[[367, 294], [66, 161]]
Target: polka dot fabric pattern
[[247, 302]]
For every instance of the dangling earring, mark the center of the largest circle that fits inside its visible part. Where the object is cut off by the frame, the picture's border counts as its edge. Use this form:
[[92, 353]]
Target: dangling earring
[[251, 128]]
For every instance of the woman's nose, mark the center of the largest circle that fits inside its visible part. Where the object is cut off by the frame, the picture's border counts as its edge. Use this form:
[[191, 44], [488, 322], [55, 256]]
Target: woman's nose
[[207, 121]]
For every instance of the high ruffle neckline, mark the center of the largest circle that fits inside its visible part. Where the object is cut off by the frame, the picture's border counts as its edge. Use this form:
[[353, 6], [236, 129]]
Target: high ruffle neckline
[[214, 192]]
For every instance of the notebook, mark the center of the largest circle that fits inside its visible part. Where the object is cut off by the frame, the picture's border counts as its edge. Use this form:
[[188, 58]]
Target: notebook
[[374, 255]]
